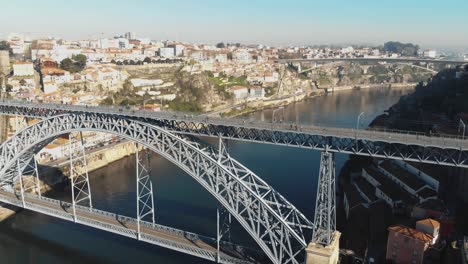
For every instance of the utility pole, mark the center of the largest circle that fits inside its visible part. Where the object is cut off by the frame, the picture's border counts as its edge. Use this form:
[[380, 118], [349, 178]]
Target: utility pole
[[460, 125], [358, 119]]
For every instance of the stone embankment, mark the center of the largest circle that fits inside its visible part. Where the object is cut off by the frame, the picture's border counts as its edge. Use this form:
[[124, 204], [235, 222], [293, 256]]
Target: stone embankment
[[57, 172]]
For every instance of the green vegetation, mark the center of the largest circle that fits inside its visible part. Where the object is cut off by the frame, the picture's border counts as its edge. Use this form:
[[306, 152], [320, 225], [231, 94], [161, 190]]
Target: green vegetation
[[377, 70], [179, 105], [236, 112], [107, 101], [405, 49], [269, 91], [6, 46], [76, 64]]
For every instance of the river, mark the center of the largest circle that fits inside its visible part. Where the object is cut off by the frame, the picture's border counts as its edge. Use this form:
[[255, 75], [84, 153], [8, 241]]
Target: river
[[180, 202]]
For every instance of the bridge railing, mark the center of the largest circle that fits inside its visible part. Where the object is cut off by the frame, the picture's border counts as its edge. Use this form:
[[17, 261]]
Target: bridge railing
[[178, 116], [130, 232]]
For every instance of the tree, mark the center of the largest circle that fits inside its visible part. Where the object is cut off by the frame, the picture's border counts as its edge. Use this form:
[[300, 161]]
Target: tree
[[76, 64], [221, 45], [125, 62], [4, 45], [9, 87], [147, 60], [113, 61], [22, 82], [80, 61], [405, 49], [107, 101], [66, 64]]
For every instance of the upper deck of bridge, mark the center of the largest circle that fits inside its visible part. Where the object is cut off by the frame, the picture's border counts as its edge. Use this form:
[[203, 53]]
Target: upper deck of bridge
[[407, 60], [391, 136]]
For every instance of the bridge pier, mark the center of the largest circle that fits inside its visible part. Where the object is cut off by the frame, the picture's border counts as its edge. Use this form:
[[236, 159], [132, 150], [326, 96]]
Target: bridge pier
[[80, 188], [144, 188], [324, 247]]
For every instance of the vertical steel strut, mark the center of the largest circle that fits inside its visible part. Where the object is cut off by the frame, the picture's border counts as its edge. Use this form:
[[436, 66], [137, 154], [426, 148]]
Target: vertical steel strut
[[325, 205], [80, 188], [144, 188], [223, 217]]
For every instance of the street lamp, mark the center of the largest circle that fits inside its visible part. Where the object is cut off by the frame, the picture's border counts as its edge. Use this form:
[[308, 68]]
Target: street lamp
[[462, 124], [274, 112], [358, 119]]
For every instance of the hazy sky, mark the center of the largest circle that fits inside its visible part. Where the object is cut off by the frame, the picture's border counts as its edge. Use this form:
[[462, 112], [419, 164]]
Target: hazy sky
[[429, 23]]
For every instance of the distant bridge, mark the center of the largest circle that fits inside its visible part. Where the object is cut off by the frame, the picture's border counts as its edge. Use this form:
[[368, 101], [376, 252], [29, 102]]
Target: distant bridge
[[274, 223], [408, 60]]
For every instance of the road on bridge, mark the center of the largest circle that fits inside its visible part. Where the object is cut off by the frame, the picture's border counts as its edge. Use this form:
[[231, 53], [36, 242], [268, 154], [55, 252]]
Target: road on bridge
[[186, 240]]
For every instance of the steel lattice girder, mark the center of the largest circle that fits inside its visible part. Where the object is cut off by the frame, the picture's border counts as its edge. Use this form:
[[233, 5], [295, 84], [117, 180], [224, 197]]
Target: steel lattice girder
[[274, 223], [403, 146], [325, 208]]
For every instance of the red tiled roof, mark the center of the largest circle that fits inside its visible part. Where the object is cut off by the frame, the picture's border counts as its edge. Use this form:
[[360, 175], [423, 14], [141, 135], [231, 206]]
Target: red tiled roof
[[429, 222], [412, 233]]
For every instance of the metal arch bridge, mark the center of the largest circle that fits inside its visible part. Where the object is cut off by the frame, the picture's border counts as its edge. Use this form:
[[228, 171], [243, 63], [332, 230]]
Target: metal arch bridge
[[390, 144], [407, 60], [401, 63], [274, 223]]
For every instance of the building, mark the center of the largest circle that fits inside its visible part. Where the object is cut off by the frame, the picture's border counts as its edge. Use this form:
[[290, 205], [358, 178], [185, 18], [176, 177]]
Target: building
[[240, 92], [23, 69], [408, 181], [179, 50], [242, 56], [168, 53], [407, 245], [430, 54], [130, 35], [429, 226], [257, 92]]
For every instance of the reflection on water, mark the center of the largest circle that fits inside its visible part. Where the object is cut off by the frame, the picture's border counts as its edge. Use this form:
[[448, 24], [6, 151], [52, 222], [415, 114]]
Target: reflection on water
[[180, 201]]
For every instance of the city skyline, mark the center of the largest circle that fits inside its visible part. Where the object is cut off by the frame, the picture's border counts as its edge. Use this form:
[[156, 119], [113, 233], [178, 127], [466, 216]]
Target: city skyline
[[427, 23]]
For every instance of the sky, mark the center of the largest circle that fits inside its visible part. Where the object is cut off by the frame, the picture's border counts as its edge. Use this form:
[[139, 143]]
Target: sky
[[441, 23]]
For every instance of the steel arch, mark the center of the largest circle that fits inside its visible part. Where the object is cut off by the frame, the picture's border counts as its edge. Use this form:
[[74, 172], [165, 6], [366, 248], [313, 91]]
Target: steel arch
[[274, 223]]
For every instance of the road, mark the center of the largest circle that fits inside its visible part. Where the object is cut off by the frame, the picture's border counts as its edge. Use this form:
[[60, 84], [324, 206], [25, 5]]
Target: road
[[167, 237]]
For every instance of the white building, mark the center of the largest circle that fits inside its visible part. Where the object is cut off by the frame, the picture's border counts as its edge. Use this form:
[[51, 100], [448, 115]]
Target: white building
[[50, 87], [179, 50], [430, 54], [146, 82], [242, 56], [168, 53], [257, 92], [221, 57], [240, 92], [123, 43], [23, 69]]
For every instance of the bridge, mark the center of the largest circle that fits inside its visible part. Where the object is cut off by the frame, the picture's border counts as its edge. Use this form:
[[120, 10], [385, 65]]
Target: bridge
[[391, 60], [281, 231]]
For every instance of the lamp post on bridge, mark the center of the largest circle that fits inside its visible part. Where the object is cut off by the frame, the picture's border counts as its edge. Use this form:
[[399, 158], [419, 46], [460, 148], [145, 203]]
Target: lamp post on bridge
[[282, 114], [462, 124], [358, 119]]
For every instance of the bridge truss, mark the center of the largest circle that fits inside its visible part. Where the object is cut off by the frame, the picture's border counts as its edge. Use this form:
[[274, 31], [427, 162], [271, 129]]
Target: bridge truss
[[274, 223]]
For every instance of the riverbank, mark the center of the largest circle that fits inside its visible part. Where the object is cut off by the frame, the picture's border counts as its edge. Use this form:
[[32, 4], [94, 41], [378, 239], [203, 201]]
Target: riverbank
[[253, 106], [57, 172]]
